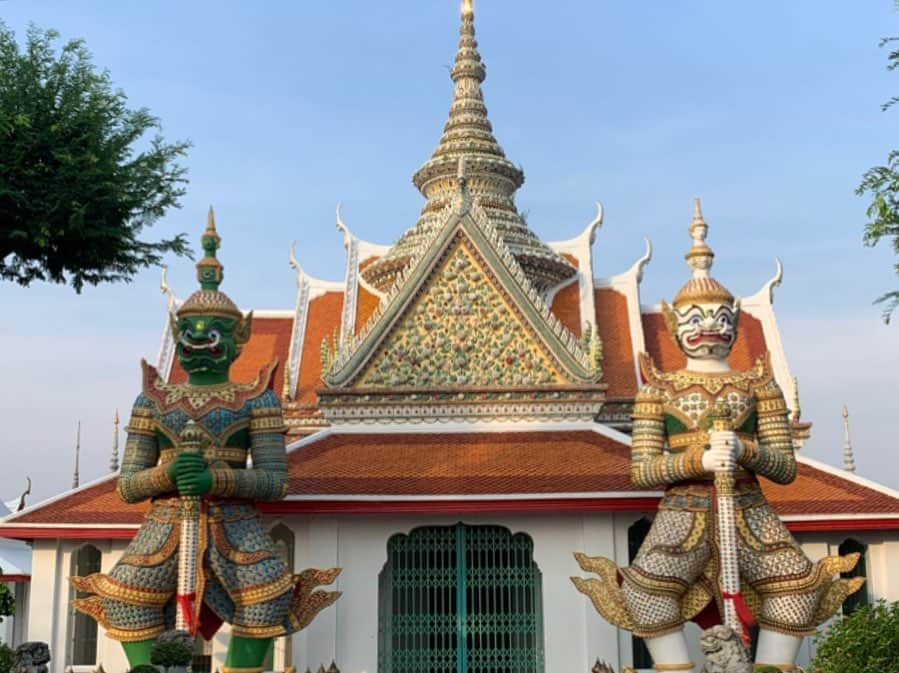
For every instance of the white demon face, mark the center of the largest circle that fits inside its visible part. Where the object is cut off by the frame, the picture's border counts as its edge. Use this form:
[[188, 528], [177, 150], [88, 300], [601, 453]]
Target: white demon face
[[706, 331]]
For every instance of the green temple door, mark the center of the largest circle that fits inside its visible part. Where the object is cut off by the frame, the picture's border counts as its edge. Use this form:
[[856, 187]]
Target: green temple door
[[460, 599]]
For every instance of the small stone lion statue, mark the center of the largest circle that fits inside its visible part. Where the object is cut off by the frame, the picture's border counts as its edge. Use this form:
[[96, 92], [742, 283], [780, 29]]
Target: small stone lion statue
[[31, 657], [724, 651]]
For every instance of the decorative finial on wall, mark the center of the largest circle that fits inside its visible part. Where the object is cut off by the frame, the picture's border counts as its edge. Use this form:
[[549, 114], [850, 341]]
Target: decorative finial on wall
[[114, 460], [848, 457], [75, 479]]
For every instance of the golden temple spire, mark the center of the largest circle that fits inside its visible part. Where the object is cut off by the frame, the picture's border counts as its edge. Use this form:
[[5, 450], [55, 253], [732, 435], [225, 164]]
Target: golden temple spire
[[493, 179]]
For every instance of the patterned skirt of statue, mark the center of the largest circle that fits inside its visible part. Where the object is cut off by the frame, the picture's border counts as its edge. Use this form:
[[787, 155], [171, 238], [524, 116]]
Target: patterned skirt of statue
[[242, 580], [674, 576]]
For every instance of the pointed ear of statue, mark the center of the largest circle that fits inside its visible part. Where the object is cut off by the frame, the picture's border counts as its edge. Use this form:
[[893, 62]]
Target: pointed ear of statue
[[736, 315], [670, 319], [242, 330], [173, 327]]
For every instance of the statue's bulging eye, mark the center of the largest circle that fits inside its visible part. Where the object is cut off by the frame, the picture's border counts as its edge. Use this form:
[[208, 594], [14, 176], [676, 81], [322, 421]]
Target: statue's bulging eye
[[215, 334], [695, 320], [187, 334]]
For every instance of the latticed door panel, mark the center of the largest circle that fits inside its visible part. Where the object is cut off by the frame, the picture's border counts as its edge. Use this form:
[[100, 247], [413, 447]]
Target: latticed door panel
[[462, 599], [502, 622], [418, 630]]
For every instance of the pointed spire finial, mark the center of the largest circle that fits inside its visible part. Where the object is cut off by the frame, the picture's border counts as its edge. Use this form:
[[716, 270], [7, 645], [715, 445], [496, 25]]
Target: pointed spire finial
[[209, 270], [114, 459], [493, 179], [75, 476], [701, 287], [848, 456], [700, 256]]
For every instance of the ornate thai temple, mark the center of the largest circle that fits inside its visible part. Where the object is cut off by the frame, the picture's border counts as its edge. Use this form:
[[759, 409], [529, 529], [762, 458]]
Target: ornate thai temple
[[459, 414]]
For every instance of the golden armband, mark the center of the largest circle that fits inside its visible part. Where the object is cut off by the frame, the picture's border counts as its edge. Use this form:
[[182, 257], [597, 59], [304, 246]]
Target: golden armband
[[267, 419]]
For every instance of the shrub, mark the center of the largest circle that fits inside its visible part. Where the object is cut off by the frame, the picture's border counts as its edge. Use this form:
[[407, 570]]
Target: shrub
[[144, 668], [864, 642], [7, 656], [172, 648]]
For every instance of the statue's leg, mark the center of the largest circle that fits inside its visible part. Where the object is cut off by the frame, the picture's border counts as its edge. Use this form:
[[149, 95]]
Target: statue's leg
[[777, 649], [672, 557], [246, 654], [669, 652], [138, 652]]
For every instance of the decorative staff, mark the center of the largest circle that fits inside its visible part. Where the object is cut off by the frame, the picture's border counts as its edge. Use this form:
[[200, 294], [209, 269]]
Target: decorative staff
[[736, 613], [192, 438]]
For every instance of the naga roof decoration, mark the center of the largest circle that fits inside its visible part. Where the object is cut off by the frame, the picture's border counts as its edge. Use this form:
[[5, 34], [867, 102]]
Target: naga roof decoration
[[463, 300], [493, 179]]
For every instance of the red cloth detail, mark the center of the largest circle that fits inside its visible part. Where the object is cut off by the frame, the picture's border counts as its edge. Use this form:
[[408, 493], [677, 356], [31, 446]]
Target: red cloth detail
[[708, 616], [744, 614], [209, 622], [185, 603]]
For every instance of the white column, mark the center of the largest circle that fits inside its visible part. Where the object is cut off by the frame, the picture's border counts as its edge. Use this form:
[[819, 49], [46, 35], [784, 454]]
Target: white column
[[109, 652], [320, 550], [601, 638]]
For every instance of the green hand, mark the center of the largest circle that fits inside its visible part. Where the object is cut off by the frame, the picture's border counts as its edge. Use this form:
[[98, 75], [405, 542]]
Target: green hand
[[185, 464], [195, 483]]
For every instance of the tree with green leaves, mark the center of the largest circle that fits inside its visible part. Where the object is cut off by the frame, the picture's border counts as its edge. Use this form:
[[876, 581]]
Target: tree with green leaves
[[81, 174], [882, 184], [864, 642]]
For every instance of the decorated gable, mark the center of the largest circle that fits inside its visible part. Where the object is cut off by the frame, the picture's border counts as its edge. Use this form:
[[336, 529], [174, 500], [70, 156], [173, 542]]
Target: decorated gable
[[461, 330], [463, 334]]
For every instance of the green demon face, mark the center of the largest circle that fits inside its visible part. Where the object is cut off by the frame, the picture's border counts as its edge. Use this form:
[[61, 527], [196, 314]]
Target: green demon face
[[206, 344]]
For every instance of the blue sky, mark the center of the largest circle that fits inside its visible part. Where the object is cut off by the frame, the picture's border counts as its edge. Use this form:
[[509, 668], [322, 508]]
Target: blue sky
[[770, 111]]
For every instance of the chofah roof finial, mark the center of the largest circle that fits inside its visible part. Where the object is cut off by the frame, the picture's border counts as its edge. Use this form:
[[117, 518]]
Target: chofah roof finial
[[701, 288], [467, 7], [209, 300]]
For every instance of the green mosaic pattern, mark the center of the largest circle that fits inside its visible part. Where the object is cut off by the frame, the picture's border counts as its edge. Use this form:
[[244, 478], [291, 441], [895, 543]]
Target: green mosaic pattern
[[460, 599]]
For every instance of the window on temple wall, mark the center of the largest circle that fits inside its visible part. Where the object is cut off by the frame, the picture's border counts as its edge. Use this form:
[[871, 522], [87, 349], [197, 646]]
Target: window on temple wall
[[85, 560], [860, 597], [460, 598], [279, 657], [635, 536]]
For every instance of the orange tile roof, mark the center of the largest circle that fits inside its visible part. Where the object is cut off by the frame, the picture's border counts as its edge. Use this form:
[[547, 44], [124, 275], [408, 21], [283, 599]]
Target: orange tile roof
[[474, 464], [615, 332], [566, 306], [460, 464], [749, 346], [366, 303], [322, 322]]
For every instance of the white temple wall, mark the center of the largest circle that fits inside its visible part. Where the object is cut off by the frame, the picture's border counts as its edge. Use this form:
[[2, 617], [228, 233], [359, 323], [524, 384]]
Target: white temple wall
[[574, 635], [347, 633]]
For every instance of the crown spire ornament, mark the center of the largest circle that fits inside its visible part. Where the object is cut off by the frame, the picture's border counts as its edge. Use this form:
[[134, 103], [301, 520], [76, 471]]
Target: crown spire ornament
[[209, 300], [701, 288], [209, 269], [492, 178]]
